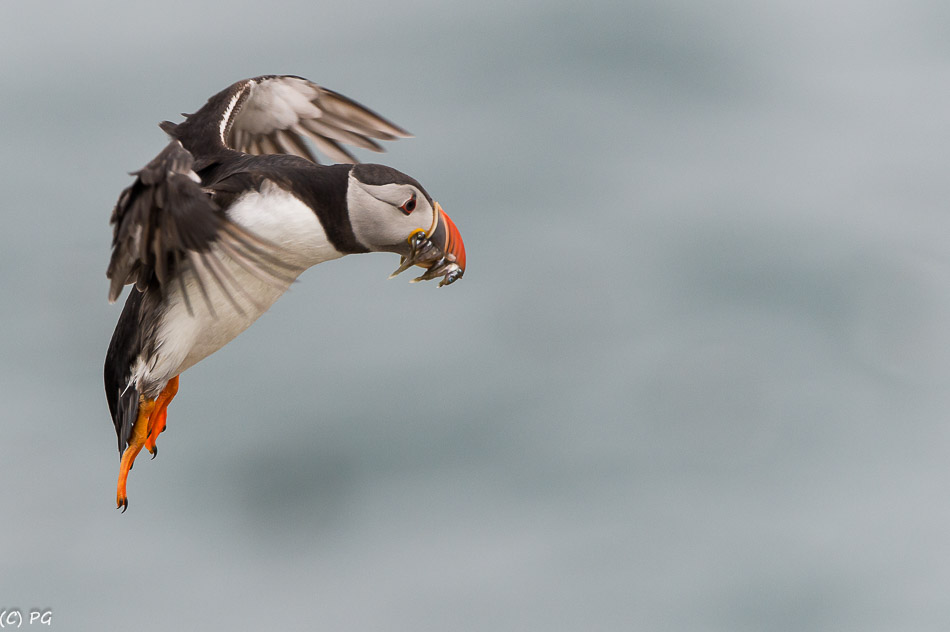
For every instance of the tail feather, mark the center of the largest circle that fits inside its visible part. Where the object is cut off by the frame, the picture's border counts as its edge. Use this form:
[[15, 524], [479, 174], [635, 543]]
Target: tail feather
[[121, 393]]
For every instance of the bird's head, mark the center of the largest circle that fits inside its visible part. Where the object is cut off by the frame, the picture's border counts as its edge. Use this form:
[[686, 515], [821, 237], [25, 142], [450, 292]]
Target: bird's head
[[391, 212]]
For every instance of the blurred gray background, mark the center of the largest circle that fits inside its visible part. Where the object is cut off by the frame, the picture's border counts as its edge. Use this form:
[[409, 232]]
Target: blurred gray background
[[694, 378]]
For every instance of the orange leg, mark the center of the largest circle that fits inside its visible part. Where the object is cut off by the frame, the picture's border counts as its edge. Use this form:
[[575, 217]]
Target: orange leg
[[136, 441], [151, 419], [156, 422]]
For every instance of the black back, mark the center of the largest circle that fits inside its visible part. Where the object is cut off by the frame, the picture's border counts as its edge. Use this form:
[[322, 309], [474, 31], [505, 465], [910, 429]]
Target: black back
[[322, 188]]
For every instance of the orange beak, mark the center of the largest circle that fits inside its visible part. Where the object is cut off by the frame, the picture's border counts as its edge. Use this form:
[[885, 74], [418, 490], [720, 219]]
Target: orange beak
[[447, 235], [439, 250]]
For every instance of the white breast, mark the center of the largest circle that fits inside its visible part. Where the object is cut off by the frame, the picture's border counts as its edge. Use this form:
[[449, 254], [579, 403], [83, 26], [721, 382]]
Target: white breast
[[279, 217], [185, 339]]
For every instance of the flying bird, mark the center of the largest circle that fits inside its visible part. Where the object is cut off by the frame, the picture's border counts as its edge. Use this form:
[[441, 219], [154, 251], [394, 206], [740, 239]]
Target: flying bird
[[216, 228]]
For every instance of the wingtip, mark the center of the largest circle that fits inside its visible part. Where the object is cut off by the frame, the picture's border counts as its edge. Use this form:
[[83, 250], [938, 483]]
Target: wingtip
[[402, 133]]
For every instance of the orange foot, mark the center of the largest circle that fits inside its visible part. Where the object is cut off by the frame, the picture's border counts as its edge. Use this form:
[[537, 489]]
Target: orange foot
[[149, 423], [156, 422]]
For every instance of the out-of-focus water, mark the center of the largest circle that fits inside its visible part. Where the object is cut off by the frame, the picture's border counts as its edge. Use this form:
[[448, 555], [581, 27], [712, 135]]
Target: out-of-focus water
[[694, 378]]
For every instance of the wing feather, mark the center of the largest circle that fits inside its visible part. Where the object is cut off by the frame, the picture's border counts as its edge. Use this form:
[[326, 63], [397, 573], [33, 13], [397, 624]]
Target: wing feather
[[268, 146], [326, 129], [291, 142], [273, 114], [166, 225], [333, 149]]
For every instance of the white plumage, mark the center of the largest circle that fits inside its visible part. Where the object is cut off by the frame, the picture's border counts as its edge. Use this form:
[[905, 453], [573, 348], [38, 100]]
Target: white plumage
[[183, 338]]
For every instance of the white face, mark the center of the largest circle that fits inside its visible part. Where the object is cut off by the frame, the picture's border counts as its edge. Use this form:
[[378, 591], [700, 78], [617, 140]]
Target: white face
[[383, 216]]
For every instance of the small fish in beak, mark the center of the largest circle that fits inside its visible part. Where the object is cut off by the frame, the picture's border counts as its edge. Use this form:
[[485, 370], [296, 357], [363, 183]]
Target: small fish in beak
[[441, 251]]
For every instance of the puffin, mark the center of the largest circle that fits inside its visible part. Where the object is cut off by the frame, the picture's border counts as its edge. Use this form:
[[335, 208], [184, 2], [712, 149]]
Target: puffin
[[225, 218]]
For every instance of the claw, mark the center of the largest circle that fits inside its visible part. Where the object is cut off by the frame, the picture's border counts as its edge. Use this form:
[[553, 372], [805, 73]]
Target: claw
[[148, 424]]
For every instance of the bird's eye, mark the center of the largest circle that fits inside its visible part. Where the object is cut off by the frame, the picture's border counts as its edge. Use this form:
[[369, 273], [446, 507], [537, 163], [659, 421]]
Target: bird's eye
[[409, 205]]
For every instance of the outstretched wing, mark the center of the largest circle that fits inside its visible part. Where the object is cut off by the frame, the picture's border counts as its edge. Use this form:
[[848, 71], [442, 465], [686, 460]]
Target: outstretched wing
[[274, 114], [166, 225]]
